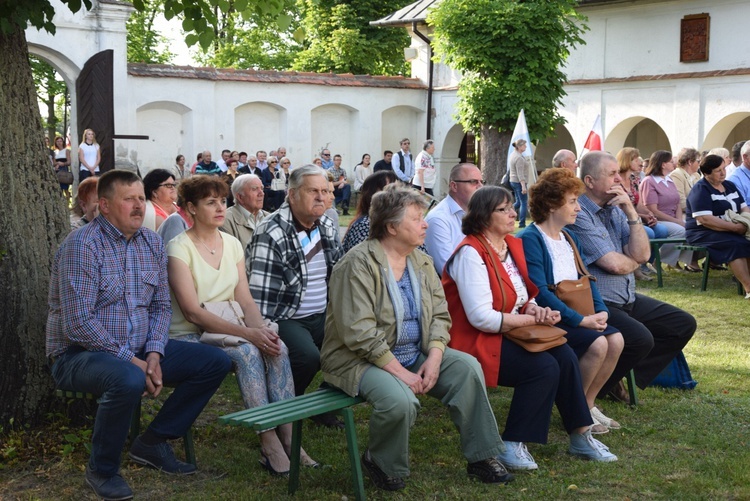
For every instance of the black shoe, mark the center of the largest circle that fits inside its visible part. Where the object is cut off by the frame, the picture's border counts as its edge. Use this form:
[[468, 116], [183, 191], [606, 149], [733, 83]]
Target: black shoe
[[266, 463], [379, 477], [112, 488], [619, 393], [489, 471], [346, 212], [329, 420], [159, 456]]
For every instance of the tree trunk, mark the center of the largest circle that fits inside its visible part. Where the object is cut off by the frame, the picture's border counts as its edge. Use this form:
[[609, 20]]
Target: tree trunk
[[33, 222], [493, 150], [51, 119]]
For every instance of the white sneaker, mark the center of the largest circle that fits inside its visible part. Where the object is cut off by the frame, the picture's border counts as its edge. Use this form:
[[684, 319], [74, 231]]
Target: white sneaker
[[517, 457], [587, 447], [599, 417]]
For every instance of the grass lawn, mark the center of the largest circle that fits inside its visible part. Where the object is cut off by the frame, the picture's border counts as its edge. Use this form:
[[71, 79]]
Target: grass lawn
[[675, 445]]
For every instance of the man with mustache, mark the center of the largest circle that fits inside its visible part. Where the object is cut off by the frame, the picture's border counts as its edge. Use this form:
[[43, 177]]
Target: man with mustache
[[107, 334], [289, 261]]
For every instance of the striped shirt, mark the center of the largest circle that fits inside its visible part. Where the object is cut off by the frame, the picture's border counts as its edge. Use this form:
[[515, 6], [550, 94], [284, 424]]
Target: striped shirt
[[314, 298], [108, 293]]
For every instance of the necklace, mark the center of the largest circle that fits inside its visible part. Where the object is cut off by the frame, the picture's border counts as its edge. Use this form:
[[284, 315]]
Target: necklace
[[212, 251], [501, 253]]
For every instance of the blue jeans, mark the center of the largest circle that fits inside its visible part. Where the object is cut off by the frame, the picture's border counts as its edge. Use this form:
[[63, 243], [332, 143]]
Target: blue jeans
[[195, 370], [658, 231], [520, 204], [342, 196]]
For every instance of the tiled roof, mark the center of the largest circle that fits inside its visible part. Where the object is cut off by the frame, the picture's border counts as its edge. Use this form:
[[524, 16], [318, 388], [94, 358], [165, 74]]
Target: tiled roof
[[266, 76], [412, 13], [664, 76]]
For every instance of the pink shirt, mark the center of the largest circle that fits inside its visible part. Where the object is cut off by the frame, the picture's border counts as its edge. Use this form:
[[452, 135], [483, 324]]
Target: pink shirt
[[660, 191]]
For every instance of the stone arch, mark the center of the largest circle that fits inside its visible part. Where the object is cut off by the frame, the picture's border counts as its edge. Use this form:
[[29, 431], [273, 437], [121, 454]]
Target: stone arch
[[728, 131], [333, 126], [637, 132], [560, 139], [69, 72], [169, 126], [258, 125], [397, 123]]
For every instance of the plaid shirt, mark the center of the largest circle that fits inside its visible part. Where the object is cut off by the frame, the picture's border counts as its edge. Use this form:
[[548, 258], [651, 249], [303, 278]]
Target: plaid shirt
[[276, 266], [109, 294], [601, 230]]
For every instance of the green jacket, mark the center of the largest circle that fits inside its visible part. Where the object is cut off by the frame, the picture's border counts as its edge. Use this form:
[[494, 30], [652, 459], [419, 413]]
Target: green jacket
[[361, 326]]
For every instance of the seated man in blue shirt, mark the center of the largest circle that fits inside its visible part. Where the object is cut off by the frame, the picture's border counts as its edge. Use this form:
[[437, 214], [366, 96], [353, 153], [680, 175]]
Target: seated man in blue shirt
[[614, 245], [107, 334]]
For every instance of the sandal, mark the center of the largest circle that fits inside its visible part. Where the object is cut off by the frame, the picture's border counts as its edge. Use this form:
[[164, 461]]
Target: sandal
[[692, 269]]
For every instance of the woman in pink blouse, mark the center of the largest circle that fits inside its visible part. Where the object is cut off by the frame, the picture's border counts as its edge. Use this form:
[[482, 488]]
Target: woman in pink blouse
[[659, 194]]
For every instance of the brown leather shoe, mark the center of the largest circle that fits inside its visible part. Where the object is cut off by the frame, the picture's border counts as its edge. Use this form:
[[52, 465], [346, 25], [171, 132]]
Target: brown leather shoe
[[619, 393]]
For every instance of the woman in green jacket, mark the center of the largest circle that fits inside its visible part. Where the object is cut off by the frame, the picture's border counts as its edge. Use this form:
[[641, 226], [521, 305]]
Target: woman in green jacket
[[386, 335]]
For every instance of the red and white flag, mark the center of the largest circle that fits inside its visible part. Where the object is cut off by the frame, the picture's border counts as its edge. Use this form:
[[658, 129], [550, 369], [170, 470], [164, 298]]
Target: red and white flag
[[596, 137]]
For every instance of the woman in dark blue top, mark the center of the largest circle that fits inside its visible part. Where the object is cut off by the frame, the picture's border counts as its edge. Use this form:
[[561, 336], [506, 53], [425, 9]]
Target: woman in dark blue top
[[706, 225], [553, 203]]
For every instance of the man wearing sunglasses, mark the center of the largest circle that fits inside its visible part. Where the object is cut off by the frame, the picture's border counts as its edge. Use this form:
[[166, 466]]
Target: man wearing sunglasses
[[444, 230]]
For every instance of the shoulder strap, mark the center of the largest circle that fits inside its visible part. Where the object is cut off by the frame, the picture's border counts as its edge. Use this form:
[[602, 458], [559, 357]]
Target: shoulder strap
[[581, 268], [401, 163]]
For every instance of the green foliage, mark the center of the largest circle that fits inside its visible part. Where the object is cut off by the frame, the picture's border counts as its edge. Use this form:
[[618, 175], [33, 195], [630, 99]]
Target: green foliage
[[510, 52], [143, 40], [17, 14], [52, 93], [259, 42], [339, 38]]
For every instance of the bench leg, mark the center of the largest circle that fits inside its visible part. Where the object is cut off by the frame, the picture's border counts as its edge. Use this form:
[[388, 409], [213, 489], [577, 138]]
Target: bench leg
[[351, 444], [189, 447], [657, 264], [632, 388], [295, 459], [706, 267]]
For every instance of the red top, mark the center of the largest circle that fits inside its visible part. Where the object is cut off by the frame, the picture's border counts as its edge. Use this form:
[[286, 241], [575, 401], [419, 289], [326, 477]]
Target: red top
[[485, 346]]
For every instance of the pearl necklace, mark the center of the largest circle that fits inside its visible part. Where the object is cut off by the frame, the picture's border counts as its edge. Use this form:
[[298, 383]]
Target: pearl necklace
[[212, 251], [501, 253]]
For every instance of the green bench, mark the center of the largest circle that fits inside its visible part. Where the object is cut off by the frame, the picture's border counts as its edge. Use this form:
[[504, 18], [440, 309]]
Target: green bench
[[706, 266], [135, 422], [294, 410], [656, 244]]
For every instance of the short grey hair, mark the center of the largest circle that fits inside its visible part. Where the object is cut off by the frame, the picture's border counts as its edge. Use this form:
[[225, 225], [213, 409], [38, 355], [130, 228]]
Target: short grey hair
[[591, 163], [560, 157], [389, 207], [745, 148], [722, 152], [240, 182], [298, 175], [427, 144], [457, 169]]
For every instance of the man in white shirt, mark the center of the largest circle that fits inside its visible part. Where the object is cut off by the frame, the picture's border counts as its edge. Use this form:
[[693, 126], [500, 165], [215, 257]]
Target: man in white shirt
[[262, 162], [444, 230], [402, 162], [225, 154], [736, 159]]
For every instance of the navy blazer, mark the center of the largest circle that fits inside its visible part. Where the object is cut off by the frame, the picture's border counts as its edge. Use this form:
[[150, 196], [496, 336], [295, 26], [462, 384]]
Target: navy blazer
[[541, 273]]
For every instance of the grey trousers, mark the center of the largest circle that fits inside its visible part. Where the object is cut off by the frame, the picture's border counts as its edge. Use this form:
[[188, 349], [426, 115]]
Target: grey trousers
[[460, 387]]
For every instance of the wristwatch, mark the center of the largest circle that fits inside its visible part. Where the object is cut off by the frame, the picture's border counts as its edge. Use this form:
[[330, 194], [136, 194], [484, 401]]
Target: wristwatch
[[634, 222]]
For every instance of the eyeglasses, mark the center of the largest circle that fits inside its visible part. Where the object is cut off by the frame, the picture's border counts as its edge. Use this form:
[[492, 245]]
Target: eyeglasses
[[273, 162], [170, 186], [504, 210], [325, 154], [472, 182]]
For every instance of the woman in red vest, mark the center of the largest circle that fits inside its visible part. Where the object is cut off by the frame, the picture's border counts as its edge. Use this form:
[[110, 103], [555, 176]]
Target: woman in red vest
[[489, 292]]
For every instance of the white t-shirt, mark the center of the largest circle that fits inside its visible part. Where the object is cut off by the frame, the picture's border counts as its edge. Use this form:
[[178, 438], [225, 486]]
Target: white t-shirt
[[89, 154]]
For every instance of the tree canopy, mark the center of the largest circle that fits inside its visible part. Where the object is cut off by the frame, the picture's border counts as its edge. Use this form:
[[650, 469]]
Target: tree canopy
[[145, 44], [511, 53]]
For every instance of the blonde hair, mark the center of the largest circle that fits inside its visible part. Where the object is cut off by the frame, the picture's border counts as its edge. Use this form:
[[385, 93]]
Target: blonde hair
[[83, 138]]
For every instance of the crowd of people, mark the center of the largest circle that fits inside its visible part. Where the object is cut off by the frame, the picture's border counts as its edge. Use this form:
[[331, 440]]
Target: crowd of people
[[401, 304]]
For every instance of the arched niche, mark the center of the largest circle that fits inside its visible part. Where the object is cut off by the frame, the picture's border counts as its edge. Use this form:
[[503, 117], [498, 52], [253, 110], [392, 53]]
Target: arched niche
[[637, 132], [398, 123], [334, 126], [259, 126], [728, 131], [561, 139], [168, 125]]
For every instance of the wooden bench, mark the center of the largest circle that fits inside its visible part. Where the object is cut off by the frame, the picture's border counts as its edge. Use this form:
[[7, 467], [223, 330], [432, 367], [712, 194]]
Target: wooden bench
[[294, 410], [135, 422]]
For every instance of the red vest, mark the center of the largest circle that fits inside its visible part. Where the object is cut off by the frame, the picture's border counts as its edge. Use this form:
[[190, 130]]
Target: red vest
[[485, 346]]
